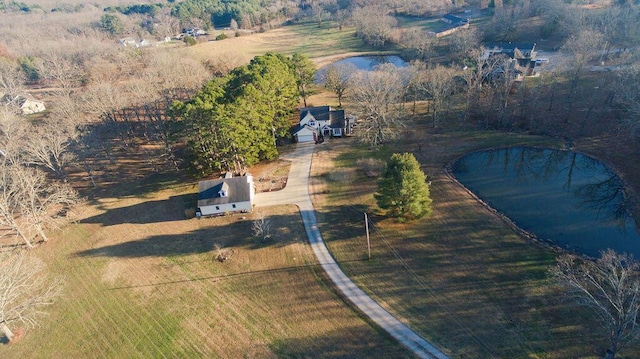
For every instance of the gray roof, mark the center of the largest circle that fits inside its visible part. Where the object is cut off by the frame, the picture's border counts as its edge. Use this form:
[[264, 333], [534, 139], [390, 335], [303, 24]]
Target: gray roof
[[324, 113], [320, 113], [238, 190], [455, 19], [337, 119]]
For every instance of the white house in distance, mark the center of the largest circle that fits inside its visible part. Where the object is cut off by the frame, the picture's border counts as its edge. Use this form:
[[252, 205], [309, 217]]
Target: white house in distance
[[26, 103], [29, 105], [225, 195], [321, 121]]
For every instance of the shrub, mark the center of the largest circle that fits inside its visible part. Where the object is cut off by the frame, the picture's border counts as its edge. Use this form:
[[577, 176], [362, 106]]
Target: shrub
[[190, 41]]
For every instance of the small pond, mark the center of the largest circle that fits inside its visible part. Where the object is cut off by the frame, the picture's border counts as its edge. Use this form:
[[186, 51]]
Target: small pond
[[567, 198], [364, 63]]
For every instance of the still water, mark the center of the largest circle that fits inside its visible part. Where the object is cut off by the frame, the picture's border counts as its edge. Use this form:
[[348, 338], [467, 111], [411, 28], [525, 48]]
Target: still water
[[568, 198], [363, 63]]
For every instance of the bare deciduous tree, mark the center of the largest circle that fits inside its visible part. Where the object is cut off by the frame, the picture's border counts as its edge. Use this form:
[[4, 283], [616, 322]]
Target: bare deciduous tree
[[13, 132], [373, 24], [337, 78], [628, 99], [463, 44], [415, 39], [42, 204], [25, 291], [61, 70], [11, 79], [10, 202], [377, 97], [610, 286], [261, 228], [30, 204], [438, 83], [49, 146], [582, 47]]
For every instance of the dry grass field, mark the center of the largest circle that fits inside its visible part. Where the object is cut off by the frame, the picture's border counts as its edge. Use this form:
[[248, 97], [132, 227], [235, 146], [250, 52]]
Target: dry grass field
[[463, 278], [323, 44], [142, 282]]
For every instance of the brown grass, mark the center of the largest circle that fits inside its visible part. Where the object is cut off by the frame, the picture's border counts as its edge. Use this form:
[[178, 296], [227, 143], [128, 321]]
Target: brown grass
[[463, 278], [142, 281]]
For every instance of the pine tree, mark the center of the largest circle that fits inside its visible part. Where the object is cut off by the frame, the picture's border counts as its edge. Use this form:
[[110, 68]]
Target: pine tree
[[233, 122], [402, 189]]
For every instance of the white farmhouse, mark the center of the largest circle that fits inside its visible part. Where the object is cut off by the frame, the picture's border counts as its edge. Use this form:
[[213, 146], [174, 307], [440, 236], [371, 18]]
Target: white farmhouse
[[225, 195]]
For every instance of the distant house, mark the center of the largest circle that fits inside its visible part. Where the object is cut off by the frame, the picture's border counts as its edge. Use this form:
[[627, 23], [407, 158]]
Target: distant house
[[29, 105], [128, 42], [316, 122], [454, 23], [193, 32], [225, 195], [522, 55], [131, 42], [454, 20], [26, 103]]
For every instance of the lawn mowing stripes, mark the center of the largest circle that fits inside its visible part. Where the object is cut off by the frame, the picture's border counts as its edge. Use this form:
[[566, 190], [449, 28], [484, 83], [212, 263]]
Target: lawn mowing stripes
[[427, 288]]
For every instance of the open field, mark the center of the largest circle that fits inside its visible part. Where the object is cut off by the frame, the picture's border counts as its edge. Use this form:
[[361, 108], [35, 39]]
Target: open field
[[323, 44], [142, 282], [462, 278], [141, 279]]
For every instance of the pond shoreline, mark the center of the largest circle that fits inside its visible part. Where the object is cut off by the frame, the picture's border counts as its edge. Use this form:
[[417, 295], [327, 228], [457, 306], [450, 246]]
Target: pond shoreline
[[543, 242]]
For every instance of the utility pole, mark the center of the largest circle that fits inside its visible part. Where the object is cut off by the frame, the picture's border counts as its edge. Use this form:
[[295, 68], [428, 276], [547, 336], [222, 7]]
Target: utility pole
[[366, 226]]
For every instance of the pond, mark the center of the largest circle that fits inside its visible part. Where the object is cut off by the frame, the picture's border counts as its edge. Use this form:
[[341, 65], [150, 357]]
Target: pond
[[364, 63], [564, 197]]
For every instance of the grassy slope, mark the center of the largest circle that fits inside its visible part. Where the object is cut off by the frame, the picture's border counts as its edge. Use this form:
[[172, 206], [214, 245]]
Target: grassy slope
[[463, 277], [308, 38], [141, 282]]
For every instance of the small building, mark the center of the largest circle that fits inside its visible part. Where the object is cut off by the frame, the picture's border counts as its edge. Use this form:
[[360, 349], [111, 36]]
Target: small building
[[225, 195], [454, 23], [316, 122], [128, 42], [454, 20], [30, 105]]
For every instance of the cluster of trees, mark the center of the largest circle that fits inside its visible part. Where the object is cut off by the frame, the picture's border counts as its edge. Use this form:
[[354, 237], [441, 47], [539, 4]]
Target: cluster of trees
[[31, 200], [234, 121], [379, 98]]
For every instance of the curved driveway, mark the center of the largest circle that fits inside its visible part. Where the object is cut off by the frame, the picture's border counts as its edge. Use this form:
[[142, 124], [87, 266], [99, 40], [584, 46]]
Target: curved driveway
[[297, 192]]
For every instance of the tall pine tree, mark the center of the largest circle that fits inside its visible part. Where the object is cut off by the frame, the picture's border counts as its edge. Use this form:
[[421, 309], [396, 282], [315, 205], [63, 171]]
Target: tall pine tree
[[233, 122], [402, 189]]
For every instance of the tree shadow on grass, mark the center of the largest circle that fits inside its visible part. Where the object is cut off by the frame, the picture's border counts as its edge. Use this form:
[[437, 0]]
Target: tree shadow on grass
[[236, 235], [362, 342], [172, 209]]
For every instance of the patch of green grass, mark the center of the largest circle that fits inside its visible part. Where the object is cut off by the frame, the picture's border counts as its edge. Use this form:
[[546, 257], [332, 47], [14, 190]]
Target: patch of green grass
[[425, 23], [324, 40]]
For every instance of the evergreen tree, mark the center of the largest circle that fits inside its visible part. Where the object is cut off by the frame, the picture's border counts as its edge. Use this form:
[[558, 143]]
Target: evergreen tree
[[402, 189], [305, 72], [233, 122], [111, 23]]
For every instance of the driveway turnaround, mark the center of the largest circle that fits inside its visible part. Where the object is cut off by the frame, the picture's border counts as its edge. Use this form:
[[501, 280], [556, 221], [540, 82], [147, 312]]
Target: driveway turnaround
[[297, 192]]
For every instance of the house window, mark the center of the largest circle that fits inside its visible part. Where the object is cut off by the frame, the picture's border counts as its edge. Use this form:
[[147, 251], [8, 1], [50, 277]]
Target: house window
[[312, 123], [217, 208], [233, 205]]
